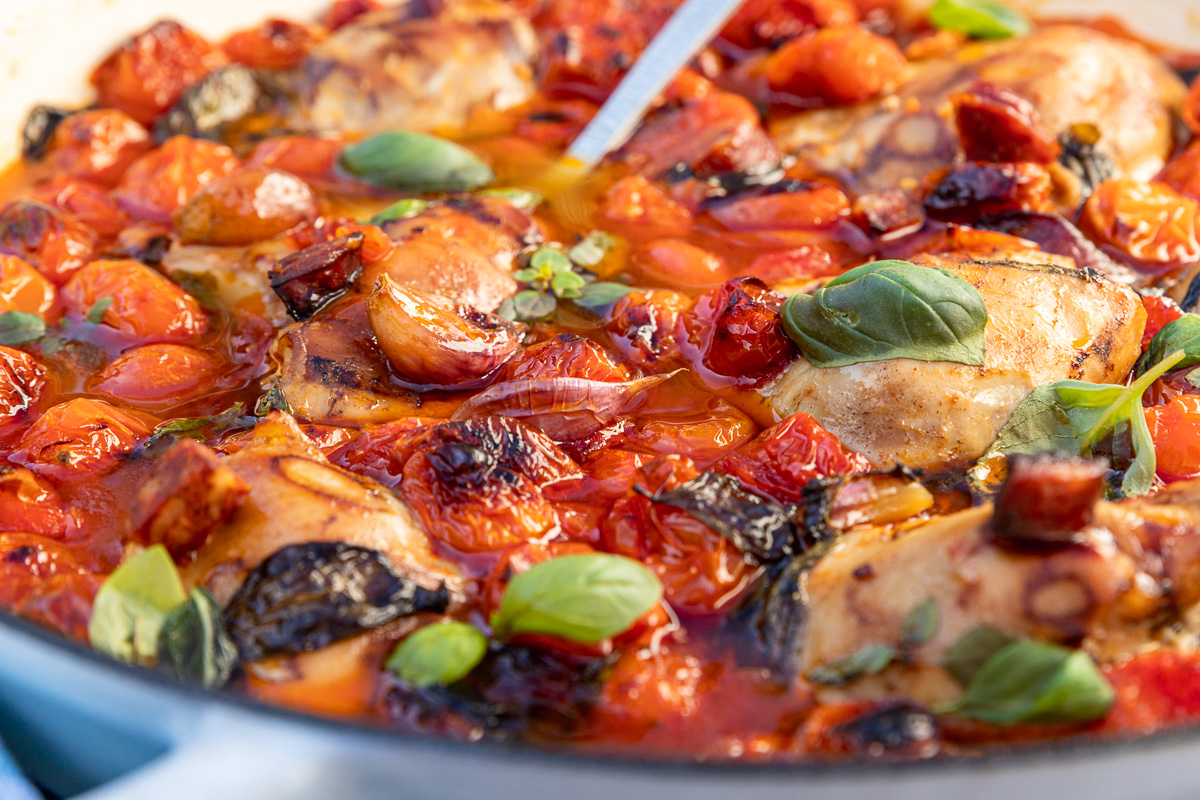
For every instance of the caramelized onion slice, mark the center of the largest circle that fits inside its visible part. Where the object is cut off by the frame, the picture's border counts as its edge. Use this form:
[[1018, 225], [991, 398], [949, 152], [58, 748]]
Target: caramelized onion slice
[[565, 409], [430, 340]]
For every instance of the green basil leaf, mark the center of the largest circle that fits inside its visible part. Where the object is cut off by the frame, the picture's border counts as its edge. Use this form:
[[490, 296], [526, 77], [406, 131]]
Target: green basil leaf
[[981, 19], [132, 605], [218, 423], [886, 310], [567, 284], [1193, 378], [593, 248], [438, 654], [972, 650], [601, 294], [1028, 681], [20, 327], [411, 161], [95, 314], [584, 598], [1181, 334], [401, 209], [523, 199], [194, 644], [870, 660], [550, 260], [921, 624], [531, 305]]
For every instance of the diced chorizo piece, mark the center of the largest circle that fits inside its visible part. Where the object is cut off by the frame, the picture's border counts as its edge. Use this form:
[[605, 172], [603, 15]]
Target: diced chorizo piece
[[309, 280], [187, 495], [966, 192], [995, 124], [1047, 501]]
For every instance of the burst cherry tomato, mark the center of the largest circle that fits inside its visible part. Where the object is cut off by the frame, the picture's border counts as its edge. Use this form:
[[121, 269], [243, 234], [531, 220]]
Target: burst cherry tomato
[[739, 332], [641, 208], [847, 64], [158, 377], [164, 179], [79, 438], [768, 23], [57, 245], [22, 386], [97, 145], [22, 288], [1176, 431], [84, 202], [1150, 225], [143, 303], [29, 504], [680, 264]]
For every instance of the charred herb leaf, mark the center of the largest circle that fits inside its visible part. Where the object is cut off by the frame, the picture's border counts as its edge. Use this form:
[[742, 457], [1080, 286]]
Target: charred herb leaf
[[438, 654], [584, 598], [1081, 155], [232, 417], [972, 650], [272, 400], [1028, 681], [133, 604], [194, 644], [307, 596], [761, 529], [592, 250], [20, 327], [886, 310]]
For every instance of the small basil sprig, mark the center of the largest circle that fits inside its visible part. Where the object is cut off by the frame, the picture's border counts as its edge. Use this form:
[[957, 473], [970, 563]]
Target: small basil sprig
[[20, 327], [407, 160], [1009, 681], [438, 654], [1180, 334], [886, 310], [133, 604], [582, 598], [1074, 416], [980, 19], [194, 645], [918, 627]]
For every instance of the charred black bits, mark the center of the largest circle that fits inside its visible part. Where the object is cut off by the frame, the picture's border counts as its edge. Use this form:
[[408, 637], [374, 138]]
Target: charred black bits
[[208, 108], [1047, 500], [307, 596], [40, 126], [904, 729], [1081, 155], [309, 280]]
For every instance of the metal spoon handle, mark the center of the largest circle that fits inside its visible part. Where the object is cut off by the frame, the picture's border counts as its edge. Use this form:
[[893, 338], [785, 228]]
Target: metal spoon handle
[[690, 28]]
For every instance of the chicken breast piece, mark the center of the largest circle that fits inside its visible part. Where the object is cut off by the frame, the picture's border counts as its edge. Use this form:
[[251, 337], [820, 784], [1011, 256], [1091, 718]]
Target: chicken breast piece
[[1071, 75], [1045, 323], [420, 65], [297, 496]]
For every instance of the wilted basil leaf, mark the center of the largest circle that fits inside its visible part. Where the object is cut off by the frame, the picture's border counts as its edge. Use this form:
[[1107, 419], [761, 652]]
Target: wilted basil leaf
[[584, 598], [601, 294], [921, 624], [972, 650], [307, 596], [401, 209], [218, 424], [194, 644], [1028, 681], [20, 327], [886, 310], [438, 654], [133, 604], [1180, 334], [407, 160], [272, 400], [95, 314], [529, 305], [870, 660], [981, 19]]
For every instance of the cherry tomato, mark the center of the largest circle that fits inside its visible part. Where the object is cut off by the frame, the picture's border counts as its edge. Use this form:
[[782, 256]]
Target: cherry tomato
[[649, 689], [703, 434], [1148, 224], [841, 65], [1176, 431], [641, 208], [158, 377], [785, 457], [164, 179], [381, 451], [84, 202], [26, 560], [97, 145], [22, 288], [247, 206], [556, 123], [63, 603], [274, 44], [799, 263], [79, 438], [342, 12], [806, 207], [679, 264], [147, 74], [1154, 690], [29, 504], [643, 326], [22, 386], [57, 245], [306, 156], [768, 23], [1160, 311], [1182, 173], [564, 356], [739, 332], [144, 303], [1191, 107]]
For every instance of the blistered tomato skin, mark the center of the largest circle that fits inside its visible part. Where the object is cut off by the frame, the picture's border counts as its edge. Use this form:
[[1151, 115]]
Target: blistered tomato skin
[[149, 72], [157, 377], [85, 202], [22, 386], [55, 244], [144, 304], [1175, 428], [274, 44], [1148, 225], [79, 438], [165, 178], [29, 504], [640, 207], [23, 288], [842, 65], [97, 145], [245, 206], [740, 331]]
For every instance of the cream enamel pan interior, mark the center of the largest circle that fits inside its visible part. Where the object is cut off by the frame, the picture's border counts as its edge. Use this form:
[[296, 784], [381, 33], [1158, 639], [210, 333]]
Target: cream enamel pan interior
[[79, 720]]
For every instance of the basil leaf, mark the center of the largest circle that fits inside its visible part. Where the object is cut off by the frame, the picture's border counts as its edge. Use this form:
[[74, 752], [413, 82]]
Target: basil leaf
[[870, 660], [20, 327], [567, 284], [549, 260], [523, 199], [886, 310], [1028, 681], [132, 605], [593, 248], [972, 650], [401, 209], [407, 160], [584, 598], [200, 285], [194, 644], [530, 305], [601, 294], [1180, 334], [921, 624], [438, 654], [1193, 378], [95, 314], [980, 19]]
